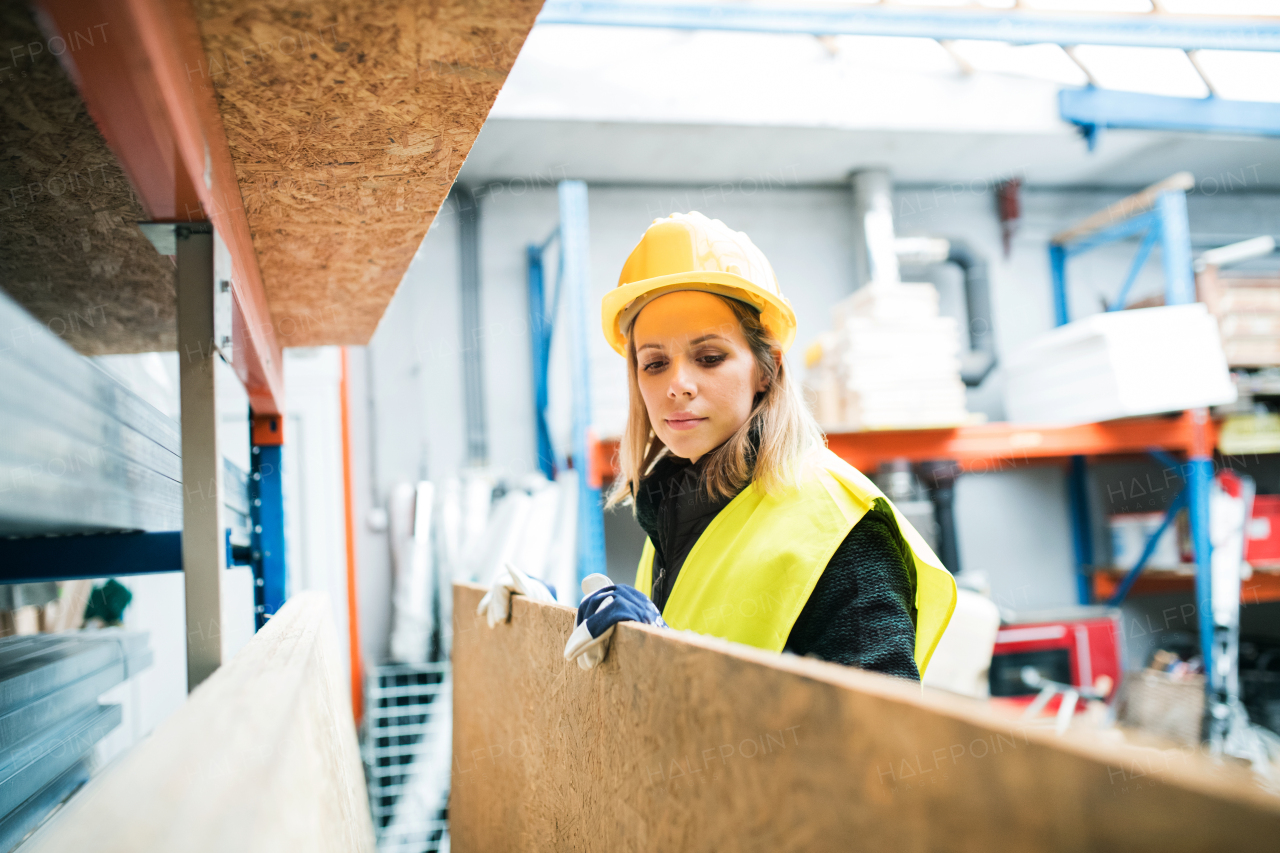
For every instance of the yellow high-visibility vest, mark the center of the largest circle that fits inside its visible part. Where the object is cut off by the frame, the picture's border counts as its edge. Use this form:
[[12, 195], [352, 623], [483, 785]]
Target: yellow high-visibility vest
[[752, 570]]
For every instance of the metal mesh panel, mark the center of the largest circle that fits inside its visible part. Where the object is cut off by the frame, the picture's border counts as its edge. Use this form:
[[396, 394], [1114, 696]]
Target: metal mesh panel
[[407, 755]]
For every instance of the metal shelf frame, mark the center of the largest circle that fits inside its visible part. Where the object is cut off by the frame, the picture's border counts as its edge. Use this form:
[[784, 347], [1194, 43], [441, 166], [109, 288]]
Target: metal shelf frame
[[95, 482], [1157, 215], [116, 486]]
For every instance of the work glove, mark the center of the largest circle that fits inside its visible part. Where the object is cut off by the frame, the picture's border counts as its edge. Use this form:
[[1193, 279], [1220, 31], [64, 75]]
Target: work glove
[[496, 604], [602, 609]]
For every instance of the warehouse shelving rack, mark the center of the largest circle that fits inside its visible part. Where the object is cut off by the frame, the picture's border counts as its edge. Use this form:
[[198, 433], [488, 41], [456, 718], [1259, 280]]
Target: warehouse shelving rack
[[1158, 215], [94, 482]]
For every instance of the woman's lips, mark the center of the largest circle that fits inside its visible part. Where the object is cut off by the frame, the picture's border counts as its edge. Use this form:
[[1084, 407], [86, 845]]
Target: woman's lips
[[683, 421]]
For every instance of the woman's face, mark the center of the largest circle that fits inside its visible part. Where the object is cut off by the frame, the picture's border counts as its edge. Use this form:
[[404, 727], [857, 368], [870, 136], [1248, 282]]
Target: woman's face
[[695, 370]]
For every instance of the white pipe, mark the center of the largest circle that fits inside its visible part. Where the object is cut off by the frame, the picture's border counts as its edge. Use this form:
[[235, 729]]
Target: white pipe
[[1236, 252]]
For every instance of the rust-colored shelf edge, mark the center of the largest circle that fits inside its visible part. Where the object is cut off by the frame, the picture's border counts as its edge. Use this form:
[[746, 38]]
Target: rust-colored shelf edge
[[985, 447], [1262, 586]]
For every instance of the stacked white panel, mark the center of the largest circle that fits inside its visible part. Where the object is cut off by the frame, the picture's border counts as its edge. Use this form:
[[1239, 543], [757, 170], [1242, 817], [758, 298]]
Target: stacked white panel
[[896, 362], [1120, 364]]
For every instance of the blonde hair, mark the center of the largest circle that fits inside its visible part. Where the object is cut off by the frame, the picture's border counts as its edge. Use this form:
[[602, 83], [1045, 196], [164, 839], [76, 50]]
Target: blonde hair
[[767, 449]]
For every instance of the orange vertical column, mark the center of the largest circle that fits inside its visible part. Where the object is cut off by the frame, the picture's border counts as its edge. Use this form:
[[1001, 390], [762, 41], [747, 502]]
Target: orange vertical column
[[348, 488]]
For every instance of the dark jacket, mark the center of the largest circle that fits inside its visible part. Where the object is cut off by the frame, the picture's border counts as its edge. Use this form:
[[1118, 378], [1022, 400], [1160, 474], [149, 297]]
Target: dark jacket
[[861, 613]]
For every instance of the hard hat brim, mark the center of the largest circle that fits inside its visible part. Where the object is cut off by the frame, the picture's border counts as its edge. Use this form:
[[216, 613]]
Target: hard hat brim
[[621, 305]]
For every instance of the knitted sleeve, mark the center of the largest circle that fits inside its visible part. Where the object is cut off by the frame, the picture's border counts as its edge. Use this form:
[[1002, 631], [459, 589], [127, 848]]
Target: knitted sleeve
[[862, 613]]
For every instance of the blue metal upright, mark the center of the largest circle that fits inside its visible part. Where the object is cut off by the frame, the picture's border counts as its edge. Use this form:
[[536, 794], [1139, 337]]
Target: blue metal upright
[[541, 324], [266, 511], [1081, 527], [1199, 477], [1175, 248], [1058, 268], [1163, 219], [576, 246]]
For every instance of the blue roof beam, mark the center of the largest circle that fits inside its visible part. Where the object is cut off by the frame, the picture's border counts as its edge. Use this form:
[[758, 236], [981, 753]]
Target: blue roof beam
[[1185, 32], [1093, 110]]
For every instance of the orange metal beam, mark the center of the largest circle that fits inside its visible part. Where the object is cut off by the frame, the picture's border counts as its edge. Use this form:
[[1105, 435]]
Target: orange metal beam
[[991, 446], [982, 447], [1261, 587], [136, 64], [267, 430]]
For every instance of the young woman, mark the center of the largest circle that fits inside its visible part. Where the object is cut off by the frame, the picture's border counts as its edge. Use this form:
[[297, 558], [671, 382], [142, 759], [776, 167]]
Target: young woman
[[757, 532]]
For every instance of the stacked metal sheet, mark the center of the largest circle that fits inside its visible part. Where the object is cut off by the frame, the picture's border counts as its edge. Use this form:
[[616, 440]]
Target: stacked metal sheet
[[50, 717], [81, 453]]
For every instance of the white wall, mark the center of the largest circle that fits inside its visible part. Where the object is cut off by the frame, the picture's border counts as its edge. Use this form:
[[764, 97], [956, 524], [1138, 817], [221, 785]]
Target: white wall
[[408, 420], [315, 534]]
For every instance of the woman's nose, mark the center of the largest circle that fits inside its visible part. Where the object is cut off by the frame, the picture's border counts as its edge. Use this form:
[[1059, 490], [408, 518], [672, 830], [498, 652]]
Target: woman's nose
[[682, 384]]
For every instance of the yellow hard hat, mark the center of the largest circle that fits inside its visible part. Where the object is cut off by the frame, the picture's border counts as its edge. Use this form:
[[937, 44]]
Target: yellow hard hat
[[688, 251]]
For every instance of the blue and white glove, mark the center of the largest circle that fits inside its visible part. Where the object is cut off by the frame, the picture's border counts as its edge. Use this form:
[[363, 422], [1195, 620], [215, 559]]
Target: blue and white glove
[[496, 604], [602, 609]]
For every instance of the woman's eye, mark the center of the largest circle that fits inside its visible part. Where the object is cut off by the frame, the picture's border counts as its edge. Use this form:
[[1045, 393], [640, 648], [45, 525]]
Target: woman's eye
[[653, 366], [711, 360]]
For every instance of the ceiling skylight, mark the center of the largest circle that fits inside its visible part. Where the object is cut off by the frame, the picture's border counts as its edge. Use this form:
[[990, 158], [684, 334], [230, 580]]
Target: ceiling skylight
[[1089, 5], [1221, 7], [1242, 75], [1152, 70], [1041, 61], [905, 54]]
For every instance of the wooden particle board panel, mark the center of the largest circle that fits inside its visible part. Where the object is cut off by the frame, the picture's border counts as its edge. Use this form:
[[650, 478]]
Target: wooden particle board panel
[[347, 123], [262, 758], [681, 742], [71, 252]]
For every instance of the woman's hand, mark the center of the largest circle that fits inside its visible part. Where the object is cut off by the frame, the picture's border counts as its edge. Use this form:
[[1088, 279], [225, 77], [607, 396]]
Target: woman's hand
[[496, 604], [599, 612]]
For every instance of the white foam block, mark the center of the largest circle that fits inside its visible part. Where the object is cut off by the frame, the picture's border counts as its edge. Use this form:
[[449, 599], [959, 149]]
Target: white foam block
[[1120, 364]]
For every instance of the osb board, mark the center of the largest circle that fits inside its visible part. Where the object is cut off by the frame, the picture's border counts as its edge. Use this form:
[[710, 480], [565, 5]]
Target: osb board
[[680, 742], [347, 122], [262, 758], [70, 251]]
